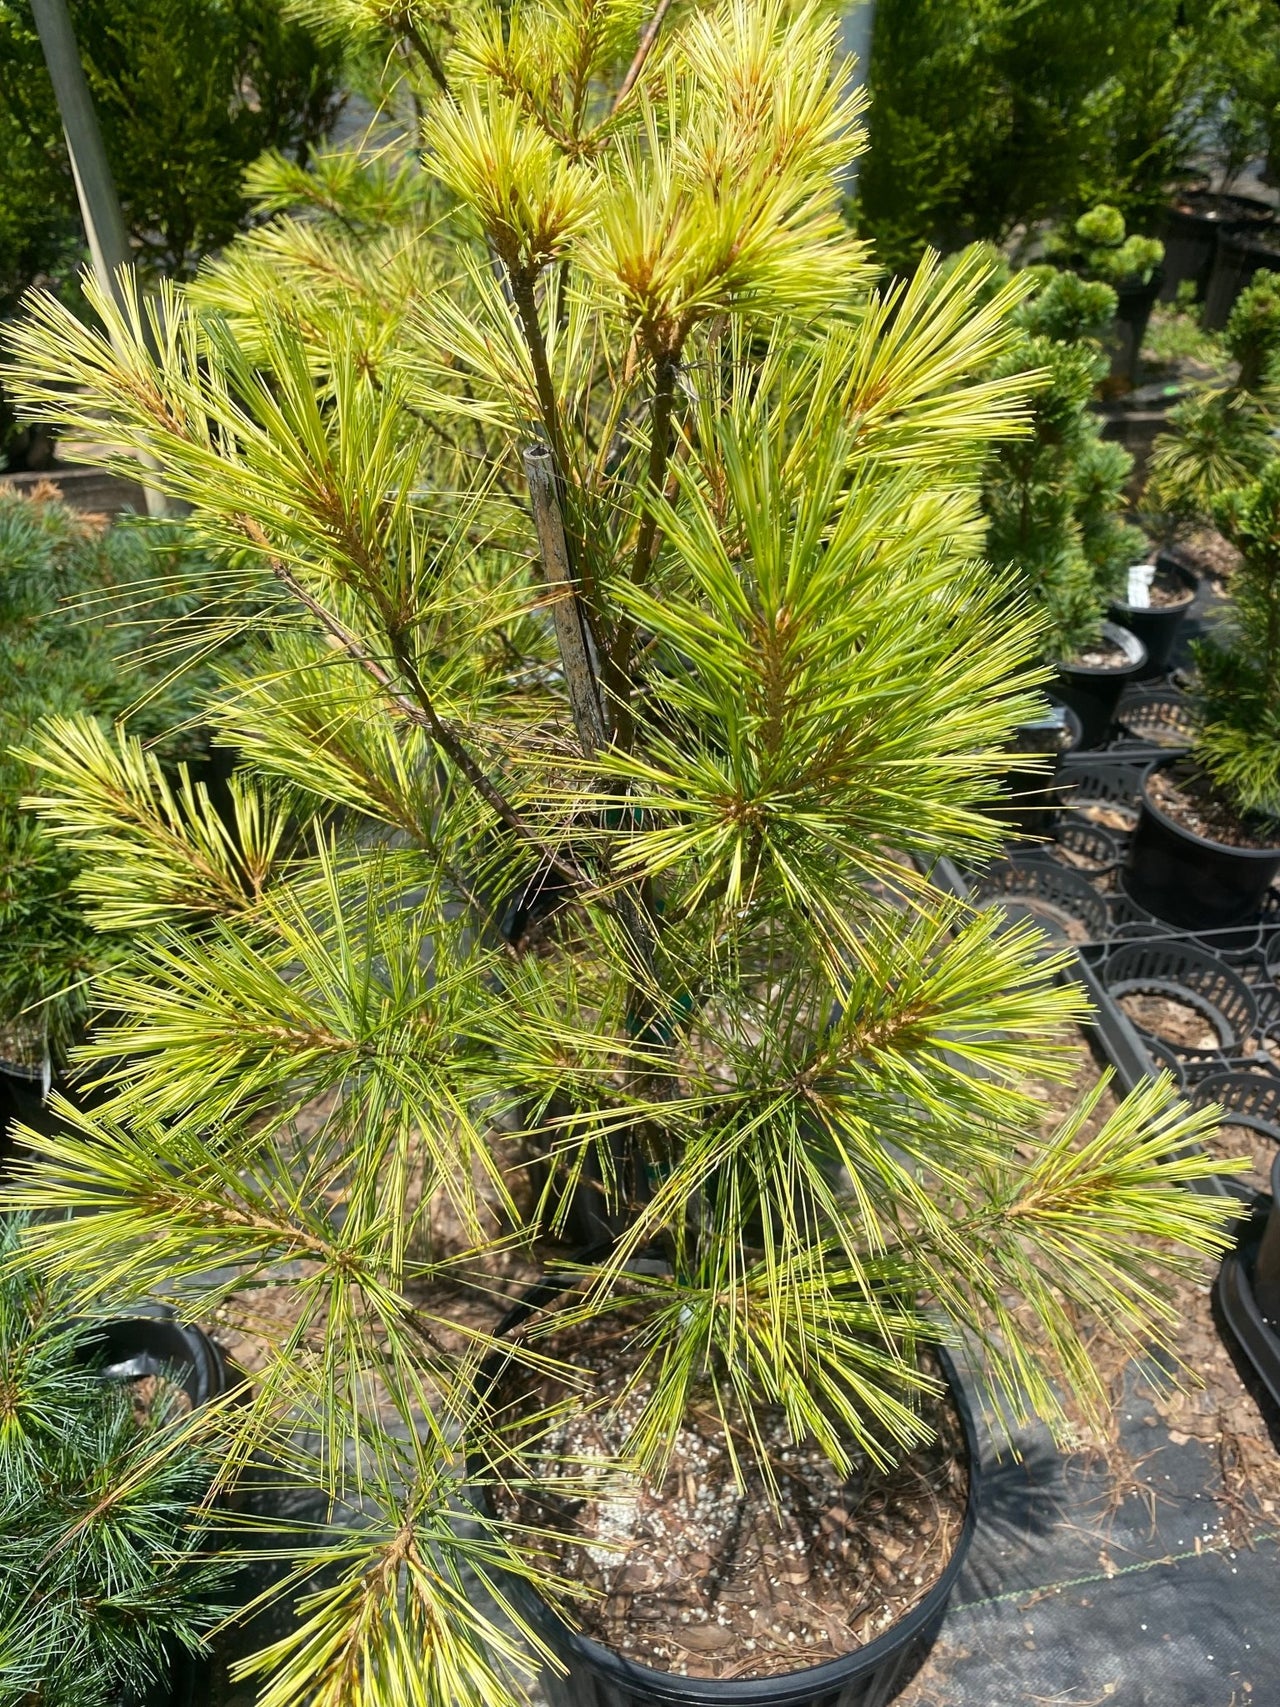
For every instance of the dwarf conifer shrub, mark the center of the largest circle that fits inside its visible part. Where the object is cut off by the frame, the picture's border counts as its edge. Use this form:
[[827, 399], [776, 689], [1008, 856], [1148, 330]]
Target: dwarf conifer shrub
[[1239, 661], [83, 613], [188, 94], [1223, 435], [1054, 497], [104, 1573], [614, 550], [1098, 247]]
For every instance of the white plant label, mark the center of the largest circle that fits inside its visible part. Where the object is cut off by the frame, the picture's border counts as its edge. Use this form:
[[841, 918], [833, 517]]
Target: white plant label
[[1140, 578]]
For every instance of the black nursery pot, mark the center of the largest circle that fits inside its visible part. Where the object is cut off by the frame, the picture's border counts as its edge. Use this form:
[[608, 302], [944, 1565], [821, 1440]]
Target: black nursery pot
[[21, 1099], [24, 1098], [126, 1348], [1093, 690], [596, 1676], [1034, 796], [1134, 303], [1266, 1268], [1189, 881], [1248, 1287], [1157, 626], [1242, 251], [1191, 231]]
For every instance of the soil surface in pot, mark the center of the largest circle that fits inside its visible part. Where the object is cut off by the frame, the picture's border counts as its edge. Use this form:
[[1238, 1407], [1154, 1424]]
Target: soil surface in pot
[[1212, 554], [705, 1579], [1060, 918], [1089, 862], [1102, 655], [1186, 796], [1242, 1144], [1178, 1023], [20, 1046], [1166, 590], [157, 1399]]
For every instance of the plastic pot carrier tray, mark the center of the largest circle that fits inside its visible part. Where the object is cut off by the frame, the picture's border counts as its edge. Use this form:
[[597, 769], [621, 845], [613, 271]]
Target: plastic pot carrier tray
[[1205, 1006], [1082, 1588]]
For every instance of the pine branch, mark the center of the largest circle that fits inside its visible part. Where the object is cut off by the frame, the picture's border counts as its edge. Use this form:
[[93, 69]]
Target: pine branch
[[647, 539], [588, 711], [420, 710], [647, 39], [566, 607], [525, 299], [423, 48]]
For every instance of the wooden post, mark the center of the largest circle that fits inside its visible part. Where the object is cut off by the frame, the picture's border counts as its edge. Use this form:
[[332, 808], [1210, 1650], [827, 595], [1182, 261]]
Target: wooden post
[[104, 226]]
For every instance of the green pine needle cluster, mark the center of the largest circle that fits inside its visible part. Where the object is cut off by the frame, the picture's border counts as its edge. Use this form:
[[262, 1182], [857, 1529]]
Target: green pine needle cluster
[[617, 653], [103, 1576]]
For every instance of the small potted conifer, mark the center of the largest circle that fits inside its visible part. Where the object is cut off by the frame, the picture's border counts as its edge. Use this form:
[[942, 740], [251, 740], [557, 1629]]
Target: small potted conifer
[[1054, 499], [1222, 435], [621, 538], [1207, 844], [1098, 247], [108, 1584]]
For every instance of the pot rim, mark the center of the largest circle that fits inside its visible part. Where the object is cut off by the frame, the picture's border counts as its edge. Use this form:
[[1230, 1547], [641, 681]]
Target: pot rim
[[1209, 1090], [158, 1332], [23, 1070], [1067, 721], [1193, 836], [1126, 639], [789, 1689], [1241, 207]]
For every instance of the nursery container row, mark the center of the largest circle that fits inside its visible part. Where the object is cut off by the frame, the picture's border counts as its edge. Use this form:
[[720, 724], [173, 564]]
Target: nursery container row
[[1218, 242], [1122, 883]]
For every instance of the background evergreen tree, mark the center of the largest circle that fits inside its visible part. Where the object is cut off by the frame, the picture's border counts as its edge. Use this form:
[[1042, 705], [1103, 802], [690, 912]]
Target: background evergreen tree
[[83, 615], [987, 115], [1245, 69], [188, 93]]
